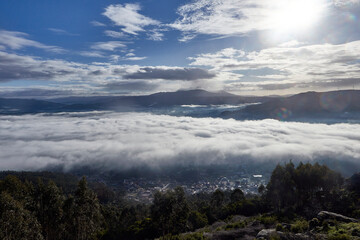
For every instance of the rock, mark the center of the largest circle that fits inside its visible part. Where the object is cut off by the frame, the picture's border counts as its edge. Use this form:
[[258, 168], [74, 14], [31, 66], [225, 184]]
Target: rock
[[325, 215], [266, 233]]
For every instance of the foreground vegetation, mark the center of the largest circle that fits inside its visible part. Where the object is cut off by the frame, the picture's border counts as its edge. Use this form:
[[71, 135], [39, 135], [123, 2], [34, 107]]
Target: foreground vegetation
[[289, 204]]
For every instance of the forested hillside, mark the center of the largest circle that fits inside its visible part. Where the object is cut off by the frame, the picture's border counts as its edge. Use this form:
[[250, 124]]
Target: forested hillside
[[293, 202]]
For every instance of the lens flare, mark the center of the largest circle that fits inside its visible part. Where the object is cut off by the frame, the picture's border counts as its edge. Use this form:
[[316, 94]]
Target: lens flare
[[295, 15], [282, 114]]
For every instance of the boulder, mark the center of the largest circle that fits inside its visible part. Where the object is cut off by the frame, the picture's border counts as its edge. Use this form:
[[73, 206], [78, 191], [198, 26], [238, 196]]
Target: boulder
[[266, 233], [325, 215]]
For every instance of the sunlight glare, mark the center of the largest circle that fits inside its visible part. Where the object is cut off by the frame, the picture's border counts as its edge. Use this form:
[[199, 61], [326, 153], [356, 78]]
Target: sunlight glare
[[296, 15]]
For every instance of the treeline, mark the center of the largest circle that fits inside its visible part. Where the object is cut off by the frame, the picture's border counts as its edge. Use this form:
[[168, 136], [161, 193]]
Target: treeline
[[43, 211]]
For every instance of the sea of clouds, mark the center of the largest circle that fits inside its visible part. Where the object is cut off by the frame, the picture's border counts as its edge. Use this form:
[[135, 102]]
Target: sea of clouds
[[120, 141]]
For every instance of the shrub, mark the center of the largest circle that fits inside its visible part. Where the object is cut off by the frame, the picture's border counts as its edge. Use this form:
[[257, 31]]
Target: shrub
[[299, 226], [314, 223], [236, 225], [193, 236], [268, 220], [340, 236], [279, 227]]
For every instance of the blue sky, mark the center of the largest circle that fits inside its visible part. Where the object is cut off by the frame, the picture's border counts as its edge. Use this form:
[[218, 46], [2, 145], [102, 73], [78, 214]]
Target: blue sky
[[250, 47]]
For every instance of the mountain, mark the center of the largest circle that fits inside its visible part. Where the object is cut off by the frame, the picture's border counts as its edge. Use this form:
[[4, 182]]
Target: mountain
[[165, 99], [334, 104], [123, 103], [198, 97], [22, 106]]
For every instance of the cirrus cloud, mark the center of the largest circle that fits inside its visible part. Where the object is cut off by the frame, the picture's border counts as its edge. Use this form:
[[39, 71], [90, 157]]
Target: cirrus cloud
[[127, 17], [18, 40]]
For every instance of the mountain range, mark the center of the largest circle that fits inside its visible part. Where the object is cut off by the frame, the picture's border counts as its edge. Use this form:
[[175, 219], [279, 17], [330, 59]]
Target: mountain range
[[334, 104]]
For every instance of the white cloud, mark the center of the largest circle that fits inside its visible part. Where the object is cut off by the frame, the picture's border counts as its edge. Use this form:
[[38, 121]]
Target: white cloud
[[127, 17], [108, 46], [155, 35], [92, 54], [114, 34], [346, 3], [92, 77], [302, 66], [234, 17], [98, 24], [119, 141], [18, 40], [135, 58], [62, 32], [292, 43]]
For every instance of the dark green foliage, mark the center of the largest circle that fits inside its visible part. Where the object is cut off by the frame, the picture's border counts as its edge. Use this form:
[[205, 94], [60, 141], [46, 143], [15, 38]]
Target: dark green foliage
[[103, 193], [314, 223], [66, 182], [29, 212], [170, 211], [13, 186], [268, 220], [261, 189], [299, 226], [279, 227], [235, 225], [48, 206], [83, 213], [217, 199], [237, 195], [281, 188], [342, 236], [34, 210], [17, 223], [307, 188], [197, 220]]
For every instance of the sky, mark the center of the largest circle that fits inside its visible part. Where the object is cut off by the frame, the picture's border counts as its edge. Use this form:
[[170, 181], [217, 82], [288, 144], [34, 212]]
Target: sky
[[250, 47]]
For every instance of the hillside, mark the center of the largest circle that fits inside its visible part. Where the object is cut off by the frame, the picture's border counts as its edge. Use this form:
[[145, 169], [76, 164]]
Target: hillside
[[21, 106], [334, 104], [121, 103], [303, 202]]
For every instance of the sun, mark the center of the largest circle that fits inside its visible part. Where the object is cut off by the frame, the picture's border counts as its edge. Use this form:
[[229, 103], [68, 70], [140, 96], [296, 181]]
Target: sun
[[296, 15]]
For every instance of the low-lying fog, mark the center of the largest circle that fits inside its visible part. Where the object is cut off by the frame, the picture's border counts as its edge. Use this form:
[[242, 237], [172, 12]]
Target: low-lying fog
[[112, 141]]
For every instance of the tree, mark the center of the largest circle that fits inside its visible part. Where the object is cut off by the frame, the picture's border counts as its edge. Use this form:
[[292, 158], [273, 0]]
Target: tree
[[217, 198], [48, 207], [13, 186], [237, 195], [83, 215], [281, 187], [170, 211], [305, 186], [17, 223], [261, 189], [197, 220]]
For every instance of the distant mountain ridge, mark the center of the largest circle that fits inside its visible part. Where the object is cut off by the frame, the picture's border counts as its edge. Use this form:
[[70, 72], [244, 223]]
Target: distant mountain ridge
[[161, 99], [21, 106], [181, 97], [344, 104], [339, 104]]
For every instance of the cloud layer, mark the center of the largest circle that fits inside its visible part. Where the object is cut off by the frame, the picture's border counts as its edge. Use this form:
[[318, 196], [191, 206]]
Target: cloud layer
[[187, 74], [289, 66], [18, 40], [233, 17], [119, 141]]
